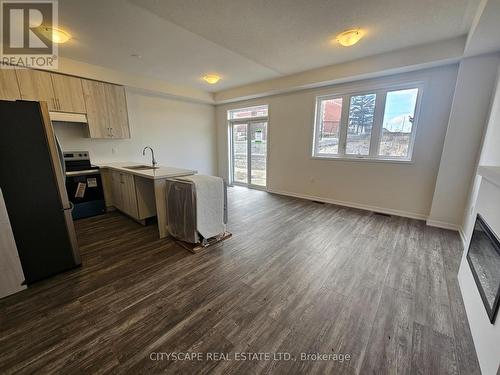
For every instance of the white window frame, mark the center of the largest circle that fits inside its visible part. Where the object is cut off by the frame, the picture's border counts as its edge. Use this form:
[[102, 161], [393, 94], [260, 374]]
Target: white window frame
[[381, 94]]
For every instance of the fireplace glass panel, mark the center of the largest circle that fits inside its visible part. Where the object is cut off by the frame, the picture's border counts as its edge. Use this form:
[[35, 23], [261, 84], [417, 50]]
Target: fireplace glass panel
[[484, 260]]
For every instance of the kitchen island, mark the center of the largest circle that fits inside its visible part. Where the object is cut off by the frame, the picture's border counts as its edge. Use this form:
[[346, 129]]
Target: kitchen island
[[139, 190]]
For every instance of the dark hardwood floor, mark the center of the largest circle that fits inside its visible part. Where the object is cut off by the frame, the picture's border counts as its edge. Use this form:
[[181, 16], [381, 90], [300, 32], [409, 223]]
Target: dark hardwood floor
[[296, 277]]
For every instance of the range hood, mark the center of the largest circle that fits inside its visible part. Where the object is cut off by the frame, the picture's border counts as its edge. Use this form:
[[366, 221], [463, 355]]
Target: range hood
[[68, 117]]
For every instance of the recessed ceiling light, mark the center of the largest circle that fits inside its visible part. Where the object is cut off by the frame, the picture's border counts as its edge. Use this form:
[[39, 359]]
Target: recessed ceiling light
[[56, 35], [211, 78], [349, 37]]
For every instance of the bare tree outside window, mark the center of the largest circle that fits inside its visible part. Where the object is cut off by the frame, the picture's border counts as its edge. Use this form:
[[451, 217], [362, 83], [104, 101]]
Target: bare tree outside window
[[359, 130]]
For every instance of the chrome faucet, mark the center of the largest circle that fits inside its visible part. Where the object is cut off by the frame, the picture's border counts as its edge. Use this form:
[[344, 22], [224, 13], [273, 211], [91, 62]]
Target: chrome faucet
[[153, 161]]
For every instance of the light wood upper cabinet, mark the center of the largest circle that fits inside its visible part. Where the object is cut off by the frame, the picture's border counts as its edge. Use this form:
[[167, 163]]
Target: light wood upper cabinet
[[97, 113], [117, 111], [68, 93], [9, 90], [105, 104], [106, 110], [62, 93], [36, 85]]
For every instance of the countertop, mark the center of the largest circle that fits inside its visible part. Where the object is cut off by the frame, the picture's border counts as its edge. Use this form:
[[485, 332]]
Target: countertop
[[490, 173], [160, 173]]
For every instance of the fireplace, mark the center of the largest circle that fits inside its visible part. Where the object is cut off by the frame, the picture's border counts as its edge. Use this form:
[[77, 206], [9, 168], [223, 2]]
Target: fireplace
[[483, 257]]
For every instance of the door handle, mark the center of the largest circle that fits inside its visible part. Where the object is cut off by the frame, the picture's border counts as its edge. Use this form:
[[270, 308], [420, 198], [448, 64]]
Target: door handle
[[71, 207]]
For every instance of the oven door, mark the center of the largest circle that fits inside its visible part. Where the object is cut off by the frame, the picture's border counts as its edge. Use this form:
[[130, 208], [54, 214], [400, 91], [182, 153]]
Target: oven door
[[86, 193]]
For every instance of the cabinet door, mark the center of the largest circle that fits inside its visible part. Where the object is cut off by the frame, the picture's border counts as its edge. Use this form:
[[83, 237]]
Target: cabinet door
[[107, 186], [129, 197], [116, 189], [117, 111], [9, 90], [36, 85], [97, 112], [68, 93]]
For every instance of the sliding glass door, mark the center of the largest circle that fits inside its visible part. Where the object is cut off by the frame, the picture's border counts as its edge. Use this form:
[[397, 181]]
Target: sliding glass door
[[240, 153], [258, 153], [249, 153]]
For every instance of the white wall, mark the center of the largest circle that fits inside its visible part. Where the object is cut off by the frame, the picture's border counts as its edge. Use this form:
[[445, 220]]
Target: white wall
[[491, 149], [484, 197], [481, 199], [486, 335], [469, 115], [490, 155], [404, 189], [182, 134], [394, 62]]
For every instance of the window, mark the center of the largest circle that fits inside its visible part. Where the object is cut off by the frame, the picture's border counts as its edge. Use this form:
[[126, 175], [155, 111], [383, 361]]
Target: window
[[378, 124], [397, 126], [247, 113], [248, 146], [359, 129], [329, 126]]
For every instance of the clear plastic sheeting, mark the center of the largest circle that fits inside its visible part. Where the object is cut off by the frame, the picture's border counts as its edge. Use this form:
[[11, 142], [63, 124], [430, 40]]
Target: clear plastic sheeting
[[183, 211]]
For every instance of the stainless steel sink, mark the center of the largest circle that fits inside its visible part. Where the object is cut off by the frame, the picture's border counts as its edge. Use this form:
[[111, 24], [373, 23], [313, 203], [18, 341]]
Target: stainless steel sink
[[140, 167]]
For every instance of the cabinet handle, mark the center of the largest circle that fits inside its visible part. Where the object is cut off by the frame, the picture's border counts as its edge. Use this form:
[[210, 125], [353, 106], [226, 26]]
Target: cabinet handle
[[58, 103]]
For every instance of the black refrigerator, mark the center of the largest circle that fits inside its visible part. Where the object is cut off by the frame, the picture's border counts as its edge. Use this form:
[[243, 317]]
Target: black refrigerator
[[33, 184]]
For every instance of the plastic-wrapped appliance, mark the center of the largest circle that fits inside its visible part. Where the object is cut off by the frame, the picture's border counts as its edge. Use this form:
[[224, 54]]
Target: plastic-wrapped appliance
[[196, 208]]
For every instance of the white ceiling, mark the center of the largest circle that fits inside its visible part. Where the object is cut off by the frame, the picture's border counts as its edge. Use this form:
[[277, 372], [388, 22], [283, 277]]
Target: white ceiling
[[247, 40]]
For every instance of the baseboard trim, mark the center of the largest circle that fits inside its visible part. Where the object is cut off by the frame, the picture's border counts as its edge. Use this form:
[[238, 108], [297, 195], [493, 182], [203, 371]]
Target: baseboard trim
[[443, 225], [365, 207], [462, 236]]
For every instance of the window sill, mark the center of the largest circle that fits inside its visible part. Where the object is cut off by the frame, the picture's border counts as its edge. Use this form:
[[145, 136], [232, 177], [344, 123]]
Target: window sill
[[363, 159]]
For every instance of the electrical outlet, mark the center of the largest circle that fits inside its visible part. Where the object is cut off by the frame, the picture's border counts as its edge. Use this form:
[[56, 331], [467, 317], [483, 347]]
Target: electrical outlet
[[113, 150]]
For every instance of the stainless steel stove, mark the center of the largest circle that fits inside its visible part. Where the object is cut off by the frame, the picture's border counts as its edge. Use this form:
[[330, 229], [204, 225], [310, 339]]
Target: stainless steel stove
[[83, 184]]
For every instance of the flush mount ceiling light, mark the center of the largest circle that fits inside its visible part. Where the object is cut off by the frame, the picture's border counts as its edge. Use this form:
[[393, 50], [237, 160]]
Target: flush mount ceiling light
[[349, 37], [56, 35], [211, 78]]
